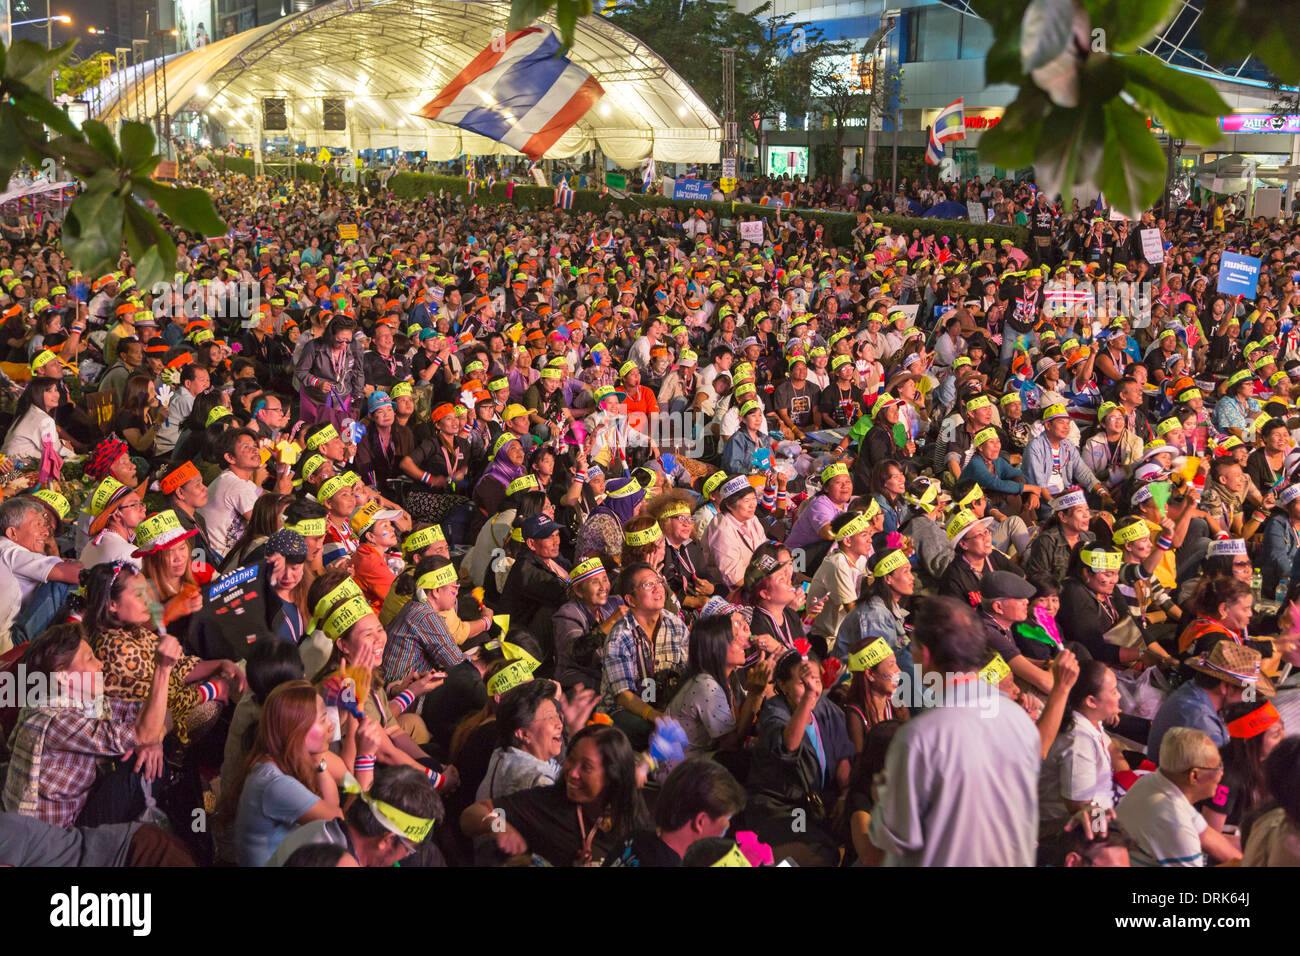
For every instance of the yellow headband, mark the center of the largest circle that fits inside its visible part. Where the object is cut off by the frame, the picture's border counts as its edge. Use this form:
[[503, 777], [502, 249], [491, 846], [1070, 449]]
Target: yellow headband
[[832, 471], [512, 675], [346, 615], [890, 563], [856, 525], [995, 671], [1127, 535], [677, 510], [344, 591], [418, 540], [309, 527], [438, 579], [522, 483], [154, 527], [326, 434], [869, 656], [1099, 560], [984, 434], [872, 509], [332, 486], [972, 496], [639, 538], [399, 390]]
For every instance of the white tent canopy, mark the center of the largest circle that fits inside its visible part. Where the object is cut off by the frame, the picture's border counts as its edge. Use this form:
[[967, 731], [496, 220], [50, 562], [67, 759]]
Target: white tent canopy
[[388, 58]]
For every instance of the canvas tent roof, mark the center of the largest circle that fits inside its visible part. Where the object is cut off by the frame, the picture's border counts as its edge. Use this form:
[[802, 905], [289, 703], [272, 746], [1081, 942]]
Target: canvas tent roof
[[390, 57]]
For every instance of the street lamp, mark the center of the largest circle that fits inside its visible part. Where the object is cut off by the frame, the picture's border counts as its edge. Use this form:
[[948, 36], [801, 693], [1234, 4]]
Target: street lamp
[[61, 18]]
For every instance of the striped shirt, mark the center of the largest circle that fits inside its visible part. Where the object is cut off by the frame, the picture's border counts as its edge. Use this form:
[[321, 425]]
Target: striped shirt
[[418, 640]]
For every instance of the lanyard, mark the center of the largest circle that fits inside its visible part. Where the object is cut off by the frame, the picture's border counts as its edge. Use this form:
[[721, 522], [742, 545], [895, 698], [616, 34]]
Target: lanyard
[[684, 560], [782, 631], [588, 838]]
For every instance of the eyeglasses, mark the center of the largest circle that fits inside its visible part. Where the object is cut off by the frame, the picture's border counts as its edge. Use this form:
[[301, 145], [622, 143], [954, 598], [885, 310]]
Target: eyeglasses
[[655, 583], [1241, 564], [1214, 770]]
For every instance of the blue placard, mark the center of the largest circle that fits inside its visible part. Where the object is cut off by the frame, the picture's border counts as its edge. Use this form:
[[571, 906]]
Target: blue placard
[[685, 188], [242, 576], [1238, 275]]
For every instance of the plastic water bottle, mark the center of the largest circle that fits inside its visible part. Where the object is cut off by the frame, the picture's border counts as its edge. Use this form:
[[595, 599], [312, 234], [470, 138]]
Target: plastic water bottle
[[1256, 583]]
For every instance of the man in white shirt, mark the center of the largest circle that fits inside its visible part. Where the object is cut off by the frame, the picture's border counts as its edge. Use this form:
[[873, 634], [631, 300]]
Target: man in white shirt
[[116, 511], [1159, 811], [194, 382], [232, 495], [961, 778], [37, 582]]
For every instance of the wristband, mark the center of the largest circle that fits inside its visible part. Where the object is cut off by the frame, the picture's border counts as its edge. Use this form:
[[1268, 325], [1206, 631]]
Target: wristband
[[1165, 543], [208, 691], [365, 763], [402, 701], [437, 778], [580, 477], [427, 478]]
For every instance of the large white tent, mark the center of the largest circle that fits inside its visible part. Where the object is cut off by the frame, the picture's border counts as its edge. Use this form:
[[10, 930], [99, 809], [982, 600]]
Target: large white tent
[[388, 58]]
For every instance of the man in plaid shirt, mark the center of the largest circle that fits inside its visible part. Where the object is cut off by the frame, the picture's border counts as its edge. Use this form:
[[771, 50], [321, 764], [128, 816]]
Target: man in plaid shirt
[[57, 747], [644, 644], [418, 639]]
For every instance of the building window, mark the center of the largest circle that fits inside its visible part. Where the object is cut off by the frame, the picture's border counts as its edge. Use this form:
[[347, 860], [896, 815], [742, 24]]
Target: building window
[[934, 34]]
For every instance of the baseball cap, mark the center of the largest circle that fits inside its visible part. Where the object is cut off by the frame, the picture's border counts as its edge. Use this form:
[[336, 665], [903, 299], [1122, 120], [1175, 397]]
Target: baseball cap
[[539, 526]]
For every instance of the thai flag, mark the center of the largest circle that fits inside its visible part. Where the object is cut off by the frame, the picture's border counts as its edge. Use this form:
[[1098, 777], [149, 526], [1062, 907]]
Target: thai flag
[[525, 95], [950, 124], [471, 185], [563, 196], [491, 181], [648, 173], [436, 294], [933, 150]]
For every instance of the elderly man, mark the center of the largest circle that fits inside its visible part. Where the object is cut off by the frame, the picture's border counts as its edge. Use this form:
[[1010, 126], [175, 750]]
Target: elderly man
[[1159, 810], [58, 743], [43, 580]]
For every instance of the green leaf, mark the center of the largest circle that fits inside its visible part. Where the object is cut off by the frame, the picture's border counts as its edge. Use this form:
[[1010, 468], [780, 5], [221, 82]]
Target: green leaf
[[30, 64], [524, 12], [78, 155], [11, 143], [38, 107], [1103, 76], [92, 229], [1187, 106], [1129, 23], [189, 208], [1045, 32], [1133, 168], [98, 135], [566, 18], [1013, 142], [151, 248], [1070, 147], [137, 148]]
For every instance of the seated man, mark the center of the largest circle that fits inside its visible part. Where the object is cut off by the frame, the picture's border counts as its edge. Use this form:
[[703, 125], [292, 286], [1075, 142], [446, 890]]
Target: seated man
[[1159, 810], [43, 579], [59, 740], [369, 829]]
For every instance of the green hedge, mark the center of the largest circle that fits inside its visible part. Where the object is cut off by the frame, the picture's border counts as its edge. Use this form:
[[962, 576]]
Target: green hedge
[[838, 224]]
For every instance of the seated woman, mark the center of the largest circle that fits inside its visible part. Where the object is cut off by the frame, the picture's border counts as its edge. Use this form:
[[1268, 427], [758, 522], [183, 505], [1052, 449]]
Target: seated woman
[[120, 628], [491, 489], [1274, 839], [163, 548], [882, 609], [1114, 450], [530, 735], [578, 820], [801, 761], [1255, 728], [140, 415], [583, 625], [602, 533], [735, 534], [1082, 758], [1002, 481], [34, 429], [285, 778], [265, 520], [708, 704], [359, 640], [1091, 606], [376, 538], [1223, 609], [874, 677]]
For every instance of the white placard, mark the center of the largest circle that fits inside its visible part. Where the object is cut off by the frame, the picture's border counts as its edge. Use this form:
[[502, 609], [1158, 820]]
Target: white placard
[[729, 168], [975, 212], [752, 232], [1153, 246]]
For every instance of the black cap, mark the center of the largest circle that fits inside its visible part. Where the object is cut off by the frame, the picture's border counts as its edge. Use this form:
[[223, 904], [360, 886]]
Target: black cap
[[1005, 584]]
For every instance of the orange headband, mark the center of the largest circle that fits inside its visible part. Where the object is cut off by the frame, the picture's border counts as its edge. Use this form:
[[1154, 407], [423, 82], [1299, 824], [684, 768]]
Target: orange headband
[[173, 480], [1254, 723]]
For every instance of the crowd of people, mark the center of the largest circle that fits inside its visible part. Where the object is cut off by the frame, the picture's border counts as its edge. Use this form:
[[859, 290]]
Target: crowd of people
[[518, 536]]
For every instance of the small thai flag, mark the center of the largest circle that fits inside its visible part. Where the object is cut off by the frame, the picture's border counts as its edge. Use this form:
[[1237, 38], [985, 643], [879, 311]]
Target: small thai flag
[[648, 174], [563, 196], [491, 181], [471, 187], [933, 150], [436, 294]]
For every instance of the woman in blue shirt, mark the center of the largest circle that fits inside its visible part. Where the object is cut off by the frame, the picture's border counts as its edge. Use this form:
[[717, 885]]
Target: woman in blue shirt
[[1002, 481], [285, 780]]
